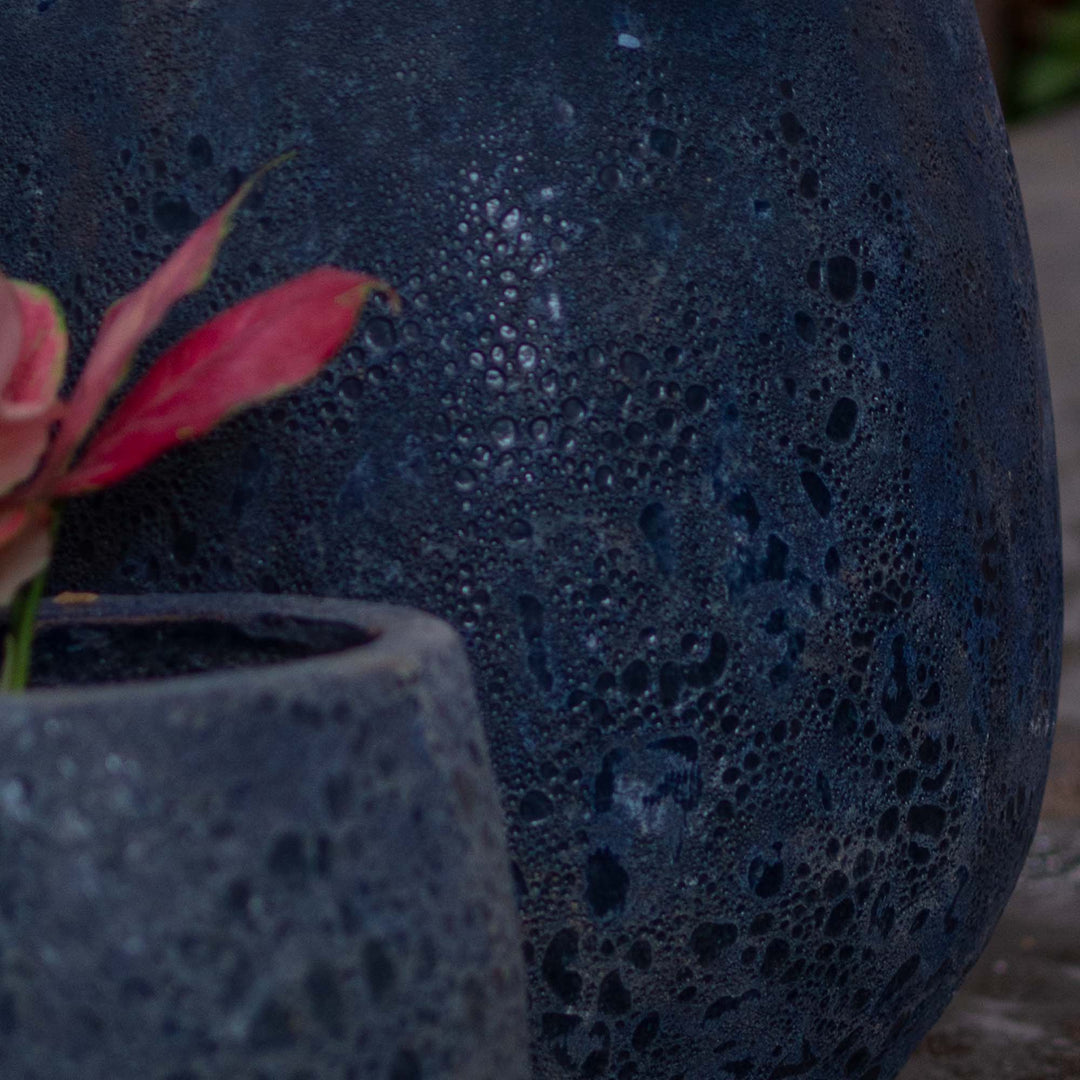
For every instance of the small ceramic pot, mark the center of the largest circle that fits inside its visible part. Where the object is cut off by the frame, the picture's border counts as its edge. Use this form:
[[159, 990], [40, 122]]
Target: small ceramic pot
[[250, 837]]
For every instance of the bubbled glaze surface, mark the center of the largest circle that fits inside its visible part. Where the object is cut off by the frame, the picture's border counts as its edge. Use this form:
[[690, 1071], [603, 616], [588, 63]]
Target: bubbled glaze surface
[[717, 422]]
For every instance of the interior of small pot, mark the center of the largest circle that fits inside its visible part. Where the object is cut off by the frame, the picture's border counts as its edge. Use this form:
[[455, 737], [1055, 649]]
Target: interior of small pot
[[111, 651]]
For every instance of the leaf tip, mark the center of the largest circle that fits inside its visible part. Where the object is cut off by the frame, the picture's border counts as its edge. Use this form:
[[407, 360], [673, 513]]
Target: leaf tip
[[360, 293]]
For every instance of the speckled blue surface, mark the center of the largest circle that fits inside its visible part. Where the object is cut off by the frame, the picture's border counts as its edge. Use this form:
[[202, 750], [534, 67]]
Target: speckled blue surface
[[290, 870], [717, 421]]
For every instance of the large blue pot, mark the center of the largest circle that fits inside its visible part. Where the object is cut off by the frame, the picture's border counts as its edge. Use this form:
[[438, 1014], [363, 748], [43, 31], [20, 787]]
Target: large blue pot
[[717, 422]]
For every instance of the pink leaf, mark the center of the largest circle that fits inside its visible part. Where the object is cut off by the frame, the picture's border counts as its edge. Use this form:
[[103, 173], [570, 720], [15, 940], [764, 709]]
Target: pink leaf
[[10, 328], [253, 351], [28, 405], [134, 317], [12, 522], [25, 547], [34, 380], [22, 445]]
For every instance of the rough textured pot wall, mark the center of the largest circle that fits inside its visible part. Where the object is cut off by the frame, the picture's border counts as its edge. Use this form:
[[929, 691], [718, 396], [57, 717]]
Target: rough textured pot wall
[[293, 871], [717, 421]]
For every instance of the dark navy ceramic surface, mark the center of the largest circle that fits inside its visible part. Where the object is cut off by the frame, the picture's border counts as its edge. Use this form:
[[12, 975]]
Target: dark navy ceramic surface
[[717, 421]]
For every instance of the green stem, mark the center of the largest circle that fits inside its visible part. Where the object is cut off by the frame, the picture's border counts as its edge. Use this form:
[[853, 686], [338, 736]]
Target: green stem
[[22, 620], [20, 636]]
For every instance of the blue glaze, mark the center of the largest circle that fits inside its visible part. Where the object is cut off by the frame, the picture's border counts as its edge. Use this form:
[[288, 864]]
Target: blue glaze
[[671, 267]]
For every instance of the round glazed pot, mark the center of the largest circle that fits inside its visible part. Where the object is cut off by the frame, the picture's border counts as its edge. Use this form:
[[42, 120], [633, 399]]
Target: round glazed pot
[[717, 422], [293, 868]]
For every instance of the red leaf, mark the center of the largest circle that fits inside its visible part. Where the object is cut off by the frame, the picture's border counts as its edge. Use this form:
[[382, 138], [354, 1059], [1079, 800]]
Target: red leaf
[[134, 317], [253, 351]]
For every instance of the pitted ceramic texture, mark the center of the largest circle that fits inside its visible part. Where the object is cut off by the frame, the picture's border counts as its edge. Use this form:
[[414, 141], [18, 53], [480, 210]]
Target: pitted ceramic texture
[[295, 873], [716, 420]]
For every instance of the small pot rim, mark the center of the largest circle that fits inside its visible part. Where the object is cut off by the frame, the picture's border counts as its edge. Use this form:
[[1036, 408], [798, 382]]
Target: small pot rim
[[397, 635]]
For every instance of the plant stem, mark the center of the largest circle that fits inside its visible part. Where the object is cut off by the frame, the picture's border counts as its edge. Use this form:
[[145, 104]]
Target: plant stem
[[20, 636], [22, 621]]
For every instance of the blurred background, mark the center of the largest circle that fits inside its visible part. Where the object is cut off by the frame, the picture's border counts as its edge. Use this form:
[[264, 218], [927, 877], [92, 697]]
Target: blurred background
[[1034, 49], [1017, 1016]]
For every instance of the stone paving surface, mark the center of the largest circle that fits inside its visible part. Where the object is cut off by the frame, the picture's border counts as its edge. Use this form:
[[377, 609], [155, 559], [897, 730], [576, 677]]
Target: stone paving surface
[[1017, 1016]]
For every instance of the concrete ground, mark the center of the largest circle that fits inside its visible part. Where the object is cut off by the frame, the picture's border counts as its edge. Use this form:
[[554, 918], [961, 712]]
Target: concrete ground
[[1018, 1015]]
